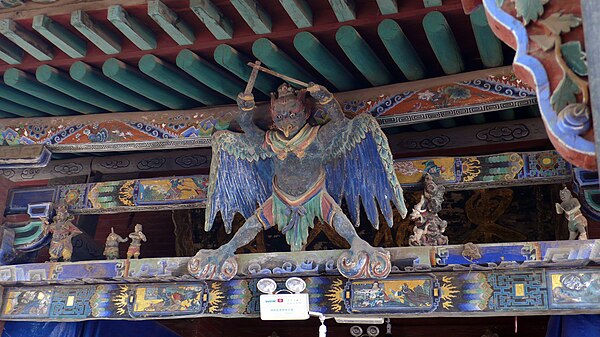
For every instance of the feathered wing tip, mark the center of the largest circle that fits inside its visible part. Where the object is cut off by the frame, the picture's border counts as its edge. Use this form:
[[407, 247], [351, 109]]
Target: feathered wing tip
[[240, 178], [362, 170]]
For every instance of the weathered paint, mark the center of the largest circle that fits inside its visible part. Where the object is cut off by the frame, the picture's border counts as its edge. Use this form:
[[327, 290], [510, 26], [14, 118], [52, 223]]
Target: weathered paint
[[61, 37], [401, 50], [442, 41]]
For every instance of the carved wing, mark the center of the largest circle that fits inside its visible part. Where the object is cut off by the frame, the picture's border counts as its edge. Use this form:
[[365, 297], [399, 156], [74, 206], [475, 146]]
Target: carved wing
[[241, 174], [361, 167]]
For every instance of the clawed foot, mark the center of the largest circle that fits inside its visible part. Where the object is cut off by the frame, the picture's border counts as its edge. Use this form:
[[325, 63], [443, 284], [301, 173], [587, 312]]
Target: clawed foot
[[218, 264], [364, 261]]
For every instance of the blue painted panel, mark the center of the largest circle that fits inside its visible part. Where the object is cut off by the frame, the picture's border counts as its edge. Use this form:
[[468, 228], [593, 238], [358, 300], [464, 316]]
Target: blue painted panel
[[87, 329], [19, 199]]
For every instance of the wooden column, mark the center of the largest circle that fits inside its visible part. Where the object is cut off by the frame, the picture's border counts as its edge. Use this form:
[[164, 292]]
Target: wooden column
[[591, 28]]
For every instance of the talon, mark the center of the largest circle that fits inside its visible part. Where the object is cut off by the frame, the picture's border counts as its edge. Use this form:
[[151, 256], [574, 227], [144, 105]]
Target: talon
[[364, 261], [218, 265]]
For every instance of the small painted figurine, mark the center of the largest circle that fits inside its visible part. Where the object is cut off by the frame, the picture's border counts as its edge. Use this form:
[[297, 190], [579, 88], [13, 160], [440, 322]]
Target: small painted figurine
[[111, 248], [571, 207], [429, 227], [63, 230], [136, 242], [299, 172]]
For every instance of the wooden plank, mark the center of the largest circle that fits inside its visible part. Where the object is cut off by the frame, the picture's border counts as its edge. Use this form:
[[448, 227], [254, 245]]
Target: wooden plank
[[104, 39], [213, 19], [136, 32], [500, 136], [299, 11], [22, 81], [254, 15], [59, 36], [387, 6], [362, 56], [26, 40], [60, 81], [442, 41], [343, 9], [168, 20], [401, 50], [131, 78], [490, 48], [87, 75], [179, 81], [276, 59], [9, 52], [208, 74], [324, 62]]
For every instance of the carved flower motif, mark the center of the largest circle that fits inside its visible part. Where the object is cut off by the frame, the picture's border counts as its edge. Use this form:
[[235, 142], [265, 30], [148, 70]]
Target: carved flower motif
[[426, 95], [456, 92], [37, 131]]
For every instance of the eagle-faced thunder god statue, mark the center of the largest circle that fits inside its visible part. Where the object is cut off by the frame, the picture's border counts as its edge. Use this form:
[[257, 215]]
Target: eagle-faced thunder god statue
[[298, 172]]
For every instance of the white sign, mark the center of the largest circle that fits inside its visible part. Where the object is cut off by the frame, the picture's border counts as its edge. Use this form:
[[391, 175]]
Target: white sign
[[278, 307]]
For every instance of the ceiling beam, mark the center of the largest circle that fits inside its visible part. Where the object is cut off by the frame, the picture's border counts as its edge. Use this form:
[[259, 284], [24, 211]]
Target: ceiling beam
[[276, 59], [254, 15], [489, 46], [59, 81], [172, 24], [87, 75], [62, 38], [442, 41], [27, 40], [209, 75], [299, 11], [343, 10], [140, 35], [388, 6], [131, 78], [179, 81], [18, 110], [324, 62], [432, 3], [4, 114], [237, 64], [362, 56], [213, 19], [22, 81], [401, 50], [9, 52], [33, 102], [99, 35]]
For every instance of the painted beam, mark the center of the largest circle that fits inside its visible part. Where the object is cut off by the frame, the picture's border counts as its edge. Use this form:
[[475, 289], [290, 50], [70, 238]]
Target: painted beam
[[24, 99], [324, 62], [22, 81], [432, 3], [179, 80], [343, 9], [489, 46], [60, 81], [213, 19], [299, 11], [393, 105], [9, 52], [131, 78], [237, 63], [388, 6], [209, 75], [255, 16], [99, 35], [87, 75], [401, 50], [362, 56], [442, 41], [276, 59], [26, 40], [172, 24], [4, 114], [62, 38], [15, 109], [136, 32]]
